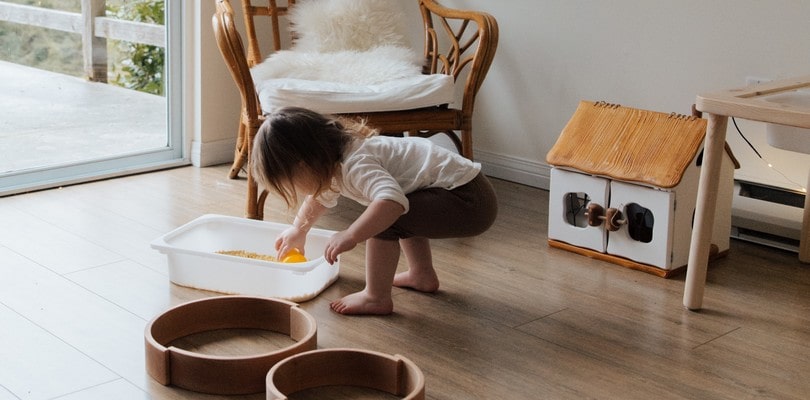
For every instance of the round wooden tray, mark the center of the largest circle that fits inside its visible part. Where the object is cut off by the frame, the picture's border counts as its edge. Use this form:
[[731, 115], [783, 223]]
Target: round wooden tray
[[224, 374], [396, 374]]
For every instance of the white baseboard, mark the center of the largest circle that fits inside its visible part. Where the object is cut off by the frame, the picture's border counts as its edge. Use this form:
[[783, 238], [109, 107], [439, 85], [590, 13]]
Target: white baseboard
[[212, 153], [513, 169]]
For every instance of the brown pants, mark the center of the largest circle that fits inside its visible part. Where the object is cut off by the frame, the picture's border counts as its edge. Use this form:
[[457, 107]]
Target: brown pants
[[437, 213]]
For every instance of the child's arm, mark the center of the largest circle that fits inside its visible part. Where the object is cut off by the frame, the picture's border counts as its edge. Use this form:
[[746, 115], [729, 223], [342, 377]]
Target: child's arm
[[308, 214], [379, 215], [296, 235]]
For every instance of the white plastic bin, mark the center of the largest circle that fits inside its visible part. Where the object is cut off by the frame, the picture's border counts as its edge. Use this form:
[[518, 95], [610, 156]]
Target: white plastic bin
[[194, 262]]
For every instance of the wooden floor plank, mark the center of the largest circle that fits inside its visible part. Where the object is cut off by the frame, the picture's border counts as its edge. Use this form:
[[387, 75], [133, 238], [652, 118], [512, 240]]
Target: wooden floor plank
[[38, 365], [93, 325], [94, 224], [118, 389], [56, 249], [761, 364], [133, 287]]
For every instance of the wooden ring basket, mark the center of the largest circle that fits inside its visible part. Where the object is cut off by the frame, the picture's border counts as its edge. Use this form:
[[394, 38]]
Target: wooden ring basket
[[224, 375], [396, 374]]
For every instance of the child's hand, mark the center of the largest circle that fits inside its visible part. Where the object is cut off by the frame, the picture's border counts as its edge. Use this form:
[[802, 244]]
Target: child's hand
[[338, 243], [290, 238]]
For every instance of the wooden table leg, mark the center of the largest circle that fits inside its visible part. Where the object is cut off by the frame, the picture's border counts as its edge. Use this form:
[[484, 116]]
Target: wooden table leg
[[704, 212], [804, 243]]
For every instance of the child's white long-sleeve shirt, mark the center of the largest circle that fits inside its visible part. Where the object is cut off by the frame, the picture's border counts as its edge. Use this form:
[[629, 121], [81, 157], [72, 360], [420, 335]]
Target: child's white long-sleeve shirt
[[383, 167]]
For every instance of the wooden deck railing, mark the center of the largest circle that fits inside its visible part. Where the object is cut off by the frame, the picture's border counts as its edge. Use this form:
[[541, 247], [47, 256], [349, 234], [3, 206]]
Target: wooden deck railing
[[94, 26]]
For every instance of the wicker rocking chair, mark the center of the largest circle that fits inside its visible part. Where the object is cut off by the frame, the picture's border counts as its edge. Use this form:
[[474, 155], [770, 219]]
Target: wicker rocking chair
[[468, 37]]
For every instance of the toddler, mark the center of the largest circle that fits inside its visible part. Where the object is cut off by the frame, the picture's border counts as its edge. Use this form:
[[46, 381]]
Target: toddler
[[413, 190]]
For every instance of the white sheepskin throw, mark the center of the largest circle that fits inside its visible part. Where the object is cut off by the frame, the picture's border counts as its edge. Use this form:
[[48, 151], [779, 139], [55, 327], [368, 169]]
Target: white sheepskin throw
[[344, 41], [336, 25]]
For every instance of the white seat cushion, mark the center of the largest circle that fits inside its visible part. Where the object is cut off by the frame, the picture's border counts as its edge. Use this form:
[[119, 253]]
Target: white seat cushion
[[334, 97], [384, 78]]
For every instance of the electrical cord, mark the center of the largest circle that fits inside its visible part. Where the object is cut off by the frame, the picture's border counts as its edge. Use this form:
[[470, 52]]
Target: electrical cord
[[745, 138], [801, 187]]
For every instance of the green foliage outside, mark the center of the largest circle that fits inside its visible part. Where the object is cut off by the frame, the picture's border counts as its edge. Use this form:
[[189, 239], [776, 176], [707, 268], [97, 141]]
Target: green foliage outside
[[142, 66], [43, 48], [131, 65]]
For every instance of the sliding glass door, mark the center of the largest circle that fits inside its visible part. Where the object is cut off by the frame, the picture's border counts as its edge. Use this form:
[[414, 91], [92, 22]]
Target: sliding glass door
[[89, 89]]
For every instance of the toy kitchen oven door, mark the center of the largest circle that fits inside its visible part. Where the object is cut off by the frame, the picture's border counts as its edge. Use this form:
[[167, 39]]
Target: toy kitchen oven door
[[624, 188]]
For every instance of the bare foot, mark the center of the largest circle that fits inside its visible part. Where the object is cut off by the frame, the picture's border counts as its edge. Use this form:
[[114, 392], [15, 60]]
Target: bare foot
[[361, 303], [427, 282]]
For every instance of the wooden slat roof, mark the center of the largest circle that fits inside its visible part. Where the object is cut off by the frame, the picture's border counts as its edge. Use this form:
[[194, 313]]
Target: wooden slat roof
[[629, 144]]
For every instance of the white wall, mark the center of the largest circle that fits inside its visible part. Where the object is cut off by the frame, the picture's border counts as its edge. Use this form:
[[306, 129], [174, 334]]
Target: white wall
[[216, 104], [650, 54]]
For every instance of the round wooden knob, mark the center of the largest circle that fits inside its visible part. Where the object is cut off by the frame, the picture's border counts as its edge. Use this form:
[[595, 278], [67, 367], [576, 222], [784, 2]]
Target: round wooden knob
[[613, 219], [595, 214]]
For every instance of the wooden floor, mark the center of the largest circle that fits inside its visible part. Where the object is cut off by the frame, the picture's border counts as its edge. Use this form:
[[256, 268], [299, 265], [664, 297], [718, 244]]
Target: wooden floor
[[514, 319]]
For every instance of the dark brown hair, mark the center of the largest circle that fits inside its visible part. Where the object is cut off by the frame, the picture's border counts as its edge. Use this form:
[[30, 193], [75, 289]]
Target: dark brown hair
[[295, 143]]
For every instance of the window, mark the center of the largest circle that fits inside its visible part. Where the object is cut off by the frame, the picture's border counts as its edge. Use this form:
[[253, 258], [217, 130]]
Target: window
[[115, 111]]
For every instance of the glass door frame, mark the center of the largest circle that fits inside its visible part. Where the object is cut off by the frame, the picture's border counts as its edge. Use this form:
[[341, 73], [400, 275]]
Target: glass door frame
[[174, 154]]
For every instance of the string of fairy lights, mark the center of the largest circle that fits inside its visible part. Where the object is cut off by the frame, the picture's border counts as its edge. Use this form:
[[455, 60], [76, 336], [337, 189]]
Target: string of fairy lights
[[770, 165]]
